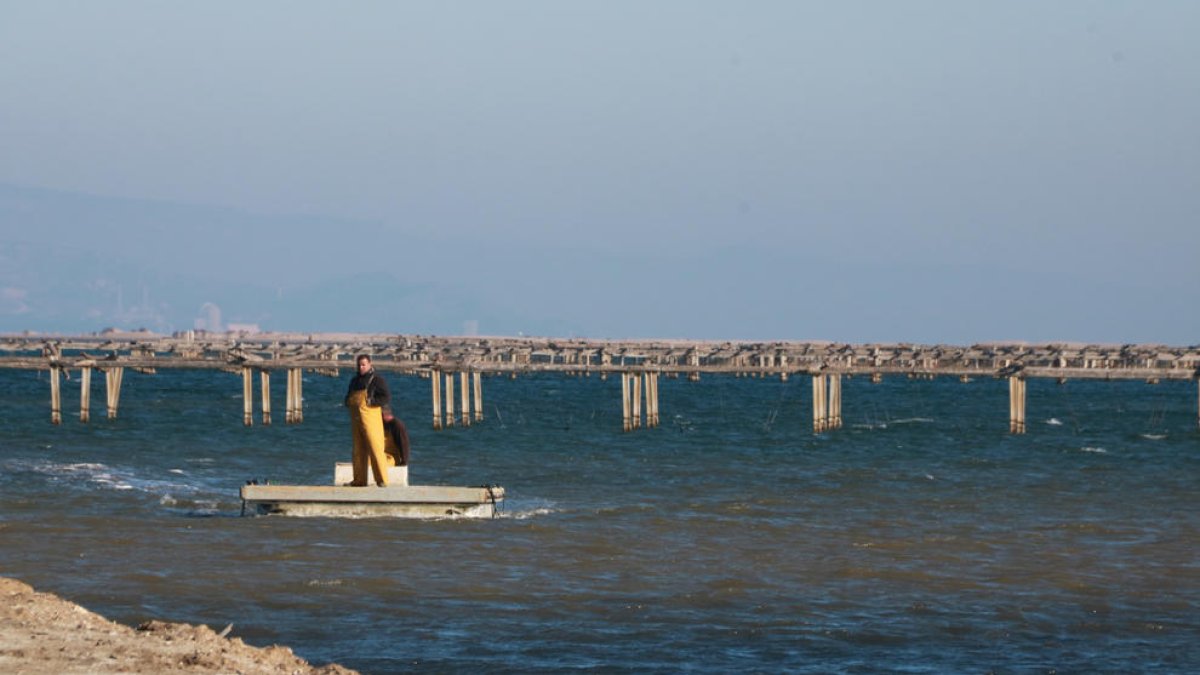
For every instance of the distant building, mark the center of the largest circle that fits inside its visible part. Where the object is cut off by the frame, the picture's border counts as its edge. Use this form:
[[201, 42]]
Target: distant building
[[246, 328], [209, 319]]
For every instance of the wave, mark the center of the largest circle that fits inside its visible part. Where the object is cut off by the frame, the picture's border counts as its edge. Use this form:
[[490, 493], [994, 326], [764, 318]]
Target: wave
[[103, 476]]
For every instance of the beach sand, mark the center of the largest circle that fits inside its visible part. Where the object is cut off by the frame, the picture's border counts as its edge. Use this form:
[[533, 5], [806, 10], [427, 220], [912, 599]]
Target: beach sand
[[42, 633]]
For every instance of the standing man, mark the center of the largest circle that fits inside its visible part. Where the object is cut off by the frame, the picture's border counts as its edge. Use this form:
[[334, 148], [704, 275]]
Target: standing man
[[366, 398]]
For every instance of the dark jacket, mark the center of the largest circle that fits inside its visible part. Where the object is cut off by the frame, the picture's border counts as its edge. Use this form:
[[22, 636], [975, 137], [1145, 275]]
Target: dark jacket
[[377, 389], [399, 434]]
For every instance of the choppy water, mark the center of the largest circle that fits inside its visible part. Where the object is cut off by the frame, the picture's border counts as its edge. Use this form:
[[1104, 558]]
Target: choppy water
[[920, 538]]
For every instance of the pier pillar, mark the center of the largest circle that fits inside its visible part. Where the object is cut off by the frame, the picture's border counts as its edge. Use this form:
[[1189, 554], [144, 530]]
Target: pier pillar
[[820, 404], [834, 420], [637, 401], [449, 399], [287, 399], [265, 382], [85, 394], [466, 398], [656, 416], [112, 384], [1016, 405], [289, 402], [436, 388], [478, 396], [247, 397], [626, 412], [55, 395], [297, 395], [651, 399]]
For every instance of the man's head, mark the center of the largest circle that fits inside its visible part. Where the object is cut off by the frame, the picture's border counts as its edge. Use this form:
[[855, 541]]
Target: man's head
[[364, 364]]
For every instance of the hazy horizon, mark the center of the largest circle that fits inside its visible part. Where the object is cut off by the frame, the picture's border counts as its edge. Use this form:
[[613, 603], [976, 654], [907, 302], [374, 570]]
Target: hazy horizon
[[932, 172]]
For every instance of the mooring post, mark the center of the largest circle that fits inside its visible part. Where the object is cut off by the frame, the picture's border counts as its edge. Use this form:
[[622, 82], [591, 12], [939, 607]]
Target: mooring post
[[85, 394], [449, 399], [466, 398], [478, 396], [265, 383], [436, 388], [55, 396], [112, 382], [247, 397]]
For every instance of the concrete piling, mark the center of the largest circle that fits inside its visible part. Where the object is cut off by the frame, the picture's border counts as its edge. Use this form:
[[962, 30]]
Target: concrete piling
[[637, 401], [112, 383], [436, 387], [827, 402], [85, 394], [1016, 405], [464, 377], [626, 404], [247, 397], [55, 395], [265, 383], [478, 396]]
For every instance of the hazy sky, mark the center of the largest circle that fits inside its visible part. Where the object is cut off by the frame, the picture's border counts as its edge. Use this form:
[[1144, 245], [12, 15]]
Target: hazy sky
[[930, 171]]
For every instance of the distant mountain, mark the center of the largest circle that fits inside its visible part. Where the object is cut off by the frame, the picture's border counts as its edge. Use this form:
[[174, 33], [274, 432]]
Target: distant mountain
[[78, 263]]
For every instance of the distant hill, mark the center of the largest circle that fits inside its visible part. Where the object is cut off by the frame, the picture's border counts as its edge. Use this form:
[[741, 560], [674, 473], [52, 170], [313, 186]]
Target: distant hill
[[78, 263]]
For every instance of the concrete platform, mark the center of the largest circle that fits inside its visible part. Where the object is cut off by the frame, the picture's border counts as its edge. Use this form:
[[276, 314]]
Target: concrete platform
[[408, 501], [343, 472]]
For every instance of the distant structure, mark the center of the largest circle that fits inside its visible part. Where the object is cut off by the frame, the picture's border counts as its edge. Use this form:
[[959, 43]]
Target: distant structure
[[209, 319]]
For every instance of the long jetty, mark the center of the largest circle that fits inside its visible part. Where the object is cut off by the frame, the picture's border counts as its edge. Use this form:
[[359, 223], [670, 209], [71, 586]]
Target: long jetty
[[639, 362]]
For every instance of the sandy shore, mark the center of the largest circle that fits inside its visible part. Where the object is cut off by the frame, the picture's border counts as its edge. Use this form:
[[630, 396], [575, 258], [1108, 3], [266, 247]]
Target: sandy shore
[[42, 633]]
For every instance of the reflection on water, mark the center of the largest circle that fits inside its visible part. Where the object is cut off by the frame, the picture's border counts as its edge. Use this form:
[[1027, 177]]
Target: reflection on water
[[921, 537]]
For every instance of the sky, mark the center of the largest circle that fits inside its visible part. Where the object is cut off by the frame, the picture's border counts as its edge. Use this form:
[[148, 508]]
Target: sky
[[937, 172]]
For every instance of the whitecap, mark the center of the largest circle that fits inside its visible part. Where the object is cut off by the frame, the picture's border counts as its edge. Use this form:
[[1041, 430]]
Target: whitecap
[[1088, 448], [1154, 437], [913, 420], [179, 471], [1054, 422]]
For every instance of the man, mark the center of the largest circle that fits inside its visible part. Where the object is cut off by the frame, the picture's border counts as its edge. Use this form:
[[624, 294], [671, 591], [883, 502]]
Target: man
[[366, 398]]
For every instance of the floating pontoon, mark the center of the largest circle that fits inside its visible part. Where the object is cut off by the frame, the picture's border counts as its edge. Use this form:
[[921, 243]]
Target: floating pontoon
[[399, 499]]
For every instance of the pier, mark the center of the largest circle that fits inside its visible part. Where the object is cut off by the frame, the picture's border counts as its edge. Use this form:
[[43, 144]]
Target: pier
[[641, 363]]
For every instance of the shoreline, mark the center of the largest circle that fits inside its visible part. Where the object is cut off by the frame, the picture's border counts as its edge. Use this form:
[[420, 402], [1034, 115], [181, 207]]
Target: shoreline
[[43, 633]]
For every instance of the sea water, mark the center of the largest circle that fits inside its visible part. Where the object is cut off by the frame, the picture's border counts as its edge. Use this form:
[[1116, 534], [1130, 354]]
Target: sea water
[[921, 537]]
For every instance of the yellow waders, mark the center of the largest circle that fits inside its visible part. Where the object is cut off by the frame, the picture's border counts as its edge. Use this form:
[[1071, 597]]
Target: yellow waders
[[366, 423]]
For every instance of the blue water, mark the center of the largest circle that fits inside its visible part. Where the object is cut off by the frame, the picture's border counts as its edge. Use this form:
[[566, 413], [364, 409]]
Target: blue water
[[922, 537]]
